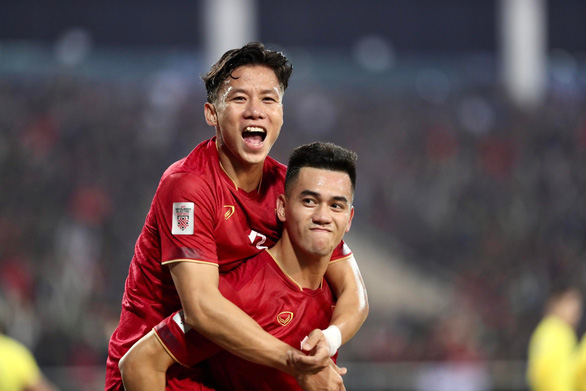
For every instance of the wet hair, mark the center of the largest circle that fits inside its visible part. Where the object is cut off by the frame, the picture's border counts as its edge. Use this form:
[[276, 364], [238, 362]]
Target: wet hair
[[321, 155], [253, 53]]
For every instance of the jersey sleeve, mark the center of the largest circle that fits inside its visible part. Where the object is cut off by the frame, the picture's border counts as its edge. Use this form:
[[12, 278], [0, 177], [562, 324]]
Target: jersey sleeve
[[185, 211], [184, 344], [341, 252]]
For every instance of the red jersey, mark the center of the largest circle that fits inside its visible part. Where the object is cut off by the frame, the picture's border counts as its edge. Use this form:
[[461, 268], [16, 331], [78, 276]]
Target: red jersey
[[279, 305], [197, 213]]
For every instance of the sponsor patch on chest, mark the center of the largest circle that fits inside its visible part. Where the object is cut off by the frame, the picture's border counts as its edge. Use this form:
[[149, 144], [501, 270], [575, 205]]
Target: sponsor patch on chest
[[182, 218]]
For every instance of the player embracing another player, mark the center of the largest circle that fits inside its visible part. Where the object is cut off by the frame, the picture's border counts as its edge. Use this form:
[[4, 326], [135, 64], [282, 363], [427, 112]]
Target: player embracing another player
[[213, 210]]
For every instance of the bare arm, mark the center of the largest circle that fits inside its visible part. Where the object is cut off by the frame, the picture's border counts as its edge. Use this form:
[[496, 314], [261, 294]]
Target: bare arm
[[352, 306], [41, 385], [144, 366], [218, 319], [329, 379]]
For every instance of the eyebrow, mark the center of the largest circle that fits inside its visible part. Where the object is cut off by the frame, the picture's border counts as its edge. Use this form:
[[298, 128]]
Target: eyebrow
[[318, 195], [246, 90]]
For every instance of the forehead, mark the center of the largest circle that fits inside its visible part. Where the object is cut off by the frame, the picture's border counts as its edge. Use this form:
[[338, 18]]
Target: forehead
[[324, 182], [253, 75]]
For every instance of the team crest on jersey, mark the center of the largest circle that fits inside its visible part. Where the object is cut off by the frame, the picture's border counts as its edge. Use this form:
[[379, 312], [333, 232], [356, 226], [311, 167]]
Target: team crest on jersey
[[229, 211], [182, 218], [284, 318]]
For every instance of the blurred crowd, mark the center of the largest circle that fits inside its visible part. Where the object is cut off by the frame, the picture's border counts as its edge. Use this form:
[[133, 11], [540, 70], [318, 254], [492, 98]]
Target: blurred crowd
[[487, 196]]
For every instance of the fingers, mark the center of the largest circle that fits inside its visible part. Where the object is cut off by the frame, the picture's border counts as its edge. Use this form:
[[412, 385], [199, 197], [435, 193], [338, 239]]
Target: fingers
[[312, 340], [326, 380], [341, 371], [302, 363], [320, 355]]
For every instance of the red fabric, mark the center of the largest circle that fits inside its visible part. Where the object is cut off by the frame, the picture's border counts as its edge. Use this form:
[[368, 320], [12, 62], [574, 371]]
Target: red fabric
[[229, 226], [264, 292]]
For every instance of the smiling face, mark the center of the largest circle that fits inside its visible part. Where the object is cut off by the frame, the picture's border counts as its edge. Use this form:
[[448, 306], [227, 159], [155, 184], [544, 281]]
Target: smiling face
[[247, 114], [317, 211]]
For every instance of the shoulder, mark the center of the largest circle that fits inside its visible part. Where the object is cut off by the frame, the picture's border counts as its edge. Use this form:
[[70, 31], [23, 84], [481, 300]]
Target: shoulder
[[16, 351], [274, 168], [248, 271], [199, 161], [192, 174], [274, 174], [552, 331], [274, 163]]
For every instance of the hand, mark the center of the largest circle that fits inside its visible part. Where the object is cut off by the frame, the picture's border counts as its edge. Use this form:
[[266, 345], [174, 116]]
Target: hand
[[317, 358], [329, 379]]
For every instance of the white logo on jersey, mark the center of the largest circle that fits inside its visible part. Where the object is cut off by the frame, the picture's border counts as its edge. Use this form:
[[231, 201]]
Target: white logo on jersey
[[253, 235], [182, 223], [178, 318]]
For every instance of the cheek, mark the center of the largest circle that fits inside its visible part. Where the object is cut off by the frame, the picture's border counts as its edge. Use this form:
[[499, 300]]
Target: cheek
[[297, 221], [277, 116], [275, 136], [345, 225]]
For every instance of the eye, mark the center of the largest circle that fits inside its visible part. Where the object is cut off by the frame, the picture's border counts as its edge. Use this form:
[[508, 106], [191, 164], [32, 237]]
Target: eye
[[269, 99], [308, 201]]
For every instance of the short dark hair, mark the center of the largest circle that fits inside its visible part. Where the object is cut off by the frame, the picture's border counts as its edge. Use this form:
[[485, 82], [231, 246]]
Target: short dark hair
[[322, 155], [253, 53]]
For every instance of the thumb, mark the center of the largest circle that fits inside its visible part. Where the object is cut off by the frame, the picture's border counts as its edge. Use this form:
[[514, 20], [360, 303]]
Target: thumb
[[309, 342], [341, 371]]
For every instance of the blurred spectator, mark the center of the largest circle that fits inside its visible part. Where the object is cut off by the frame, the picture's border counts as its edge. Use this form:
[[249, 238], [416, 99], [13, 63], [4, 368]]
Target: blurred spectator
[[552, 348], [18, 368], [466, 186]]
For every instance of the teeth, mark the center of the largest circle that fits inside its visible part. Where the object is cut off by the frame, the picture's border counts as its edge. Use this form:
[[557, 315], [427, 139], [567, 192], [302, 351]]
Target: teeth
[[254, 129]]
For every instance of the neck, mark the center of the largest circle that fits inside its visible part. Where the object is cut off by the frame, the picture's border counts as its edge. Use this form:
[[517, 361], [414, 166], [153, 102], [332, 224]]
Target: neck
[[564, 316], [245, 177], [307, 270]]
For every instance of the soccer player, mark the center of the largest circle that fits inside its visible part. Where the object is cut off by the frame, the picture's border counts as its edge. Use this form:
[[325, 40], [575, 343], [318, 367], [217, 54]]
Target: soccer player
[[282, 288], [19, 370], [214, 209], [552, 348]]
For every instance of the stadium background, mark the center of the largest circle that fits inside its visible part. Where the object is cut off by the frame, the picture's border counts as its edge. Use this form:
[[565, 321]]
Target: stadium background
[[470, 201]]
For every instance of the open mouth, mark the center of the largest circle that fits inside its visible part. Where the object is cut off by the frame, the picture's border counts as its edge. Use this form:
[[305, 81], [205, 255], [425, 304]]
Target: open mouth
[[254, 135]]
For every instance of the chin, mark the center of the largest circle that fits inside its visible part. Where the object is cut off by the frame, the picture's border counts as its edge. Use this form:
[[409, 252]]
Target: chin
[[255, 157], [322, 251]]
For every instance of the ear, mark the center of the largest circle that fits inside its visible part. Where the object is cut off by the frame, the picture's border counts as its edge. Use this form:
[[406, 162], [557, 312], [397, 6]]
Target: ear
[[209, 111], [281, 201], [350, 220]]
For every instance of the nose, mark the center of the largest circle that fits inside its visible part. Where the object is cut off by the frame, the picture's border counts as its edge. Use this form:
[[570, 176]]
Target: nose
[[321, 214], [254, 110]]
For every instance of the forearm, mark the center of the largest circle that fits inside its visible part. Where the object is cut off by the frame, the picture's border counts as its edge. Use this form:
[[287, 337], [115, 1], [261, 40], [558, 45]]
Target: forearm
[[349, 315], [144, 381], [144, 366], [352, 305], [228, 326], [42, 385]]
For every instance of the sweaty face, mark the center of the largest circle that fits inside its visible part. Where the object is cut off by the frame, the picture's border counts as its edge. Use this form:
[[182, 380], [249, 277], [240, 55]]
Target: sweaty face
[[248, 115], [318, 210]]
